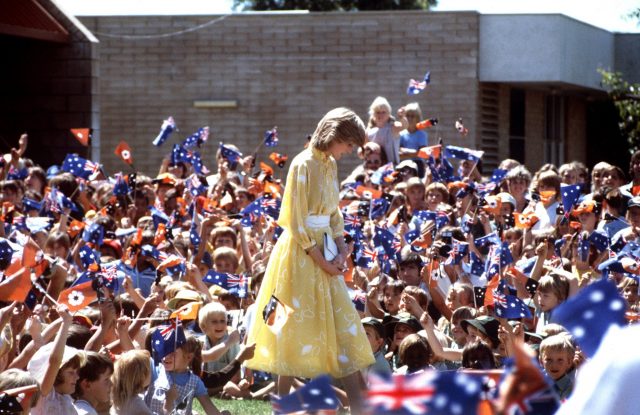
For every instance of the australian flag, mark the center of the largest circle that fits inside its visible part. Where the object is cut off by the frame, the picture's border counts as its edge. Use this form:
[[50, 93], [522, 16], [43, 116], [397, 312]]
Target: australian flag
[[570, 195], [166, 339], [168, 126], [378, 208], [509, 305], [499, 257], [93, 233], [429, 392], [457, 252], [234, 283], [180, 155], [415, 87], [271, 137], [120, 188], [79, 167], [317, 395], [462, 153], [89, 258], [197, 139], [589, 314], [231, 155], [195, 185]]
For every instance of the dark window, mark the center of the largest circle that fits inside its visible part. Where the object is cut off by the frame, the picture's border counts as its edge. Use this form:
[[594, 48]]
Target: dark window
[[516, 124]]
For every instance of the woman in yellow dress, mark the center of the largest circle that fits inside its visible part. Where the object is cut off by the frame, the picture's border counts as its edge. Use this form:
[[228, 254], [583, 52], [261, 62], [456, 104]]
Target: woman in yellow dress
[[323, 334]]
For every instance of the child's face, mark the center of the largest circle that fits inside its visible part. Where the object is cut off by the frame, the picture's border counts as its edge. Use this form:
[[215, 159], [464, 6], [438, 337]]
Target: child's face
[[374, 339], [547, 300], [99, 389], [556, 363], [215, 326], [474, 334], [401, 331], [587, 220], [69, 379], [458, 334], [415, 194], [391, 300], [224, 265], [630, 294], [176, 361], [410, 274], [434, 198]]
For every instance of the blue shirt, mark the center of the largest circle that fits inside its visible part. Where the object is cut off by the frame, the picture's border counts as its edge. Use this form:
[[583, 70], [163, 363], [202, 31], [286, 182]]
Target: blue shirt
[[415, 140]]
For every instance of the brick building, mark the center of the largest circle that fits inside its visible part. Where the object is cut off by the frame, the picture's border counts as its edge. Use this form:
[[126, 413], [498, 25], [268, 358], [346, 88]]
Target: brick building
[[48, 79], [534, 98]]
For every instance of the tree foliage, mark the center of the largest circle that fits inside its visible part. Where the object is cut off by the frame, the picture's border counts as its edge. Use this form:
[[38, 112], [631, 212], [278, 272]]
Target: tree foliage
[[333, 5], [626, 98]]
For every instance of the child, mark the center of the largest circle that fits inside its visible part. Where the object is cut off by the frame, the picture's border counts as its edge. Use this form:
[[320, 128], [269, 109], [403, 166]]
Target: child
[[553, 289], [56, 369], [375, 334], [131, 377], [174, 385], [414, 354], [94, 384], [412, 139], [16, 378], [556, 356], [219, 346], [225, 259], [392, 295]]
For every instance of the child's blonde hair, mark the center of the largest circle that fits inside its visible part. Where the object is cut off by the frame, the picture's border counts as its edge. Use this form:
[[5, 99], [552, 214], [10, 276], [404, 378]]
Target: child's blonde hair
[[227, 253], [210, 309], [130, 373], [558, 343], [413, 108]]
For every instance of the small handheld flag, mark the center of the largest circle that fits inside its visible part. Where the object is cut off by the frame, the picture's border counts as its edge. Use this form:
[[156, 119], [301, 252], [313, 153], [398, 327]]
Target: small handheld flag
[[124, 152], [83, 135], [271, 137], [276, 314], [423, 125], [415, 87], [168, 126]]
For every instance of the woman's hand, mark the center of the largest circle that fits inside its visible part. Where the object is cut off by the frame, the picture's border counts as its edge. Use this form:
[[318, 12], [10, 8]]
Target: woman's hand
[[340, 262]]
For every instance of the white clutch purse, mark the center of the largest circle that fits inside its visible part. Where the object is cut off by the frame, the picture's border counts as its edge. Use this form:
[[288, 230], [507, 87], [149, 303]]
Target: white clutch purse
[[330, 248]]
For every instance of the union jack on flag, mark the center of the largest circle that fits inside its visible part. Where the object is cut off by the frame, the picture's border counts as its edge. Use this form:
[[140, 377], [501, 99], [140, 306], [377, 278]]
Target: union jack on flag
[[415, 87], [271, 137], [410, 393], [499, 298], [351, 220]]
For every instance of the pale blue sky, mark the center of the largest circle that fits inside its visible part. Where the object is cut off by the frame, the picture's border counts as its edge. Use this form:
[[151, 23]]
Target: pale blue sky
[[609, 15]]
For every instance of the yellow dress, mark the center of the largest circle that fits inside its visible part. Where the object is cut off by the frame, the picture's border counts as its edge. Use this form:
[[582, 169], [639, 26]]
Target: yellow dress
[[324, 334]]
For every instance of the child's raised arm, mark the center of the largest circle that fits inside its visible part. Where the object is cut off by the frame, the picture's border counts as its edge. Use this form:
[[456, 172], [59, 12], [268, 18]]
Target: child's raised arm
[[213, 354], [55, 359]]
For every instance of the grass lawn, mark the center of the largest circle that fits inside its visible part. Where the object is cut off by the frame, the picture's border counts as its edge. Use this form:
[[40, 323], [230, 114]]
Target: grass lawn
[[248, 407], [245, 407]]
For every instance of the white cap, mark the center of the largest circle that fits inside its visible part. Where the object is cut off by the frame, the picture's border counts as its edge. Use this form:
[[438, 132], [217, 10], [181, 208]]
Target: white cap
[[40, 361]]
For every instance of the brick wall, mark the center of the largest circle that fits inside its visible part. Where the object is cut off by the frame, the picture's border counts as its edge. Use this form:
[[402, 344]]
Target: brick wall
[[46, 89], [284, 70]]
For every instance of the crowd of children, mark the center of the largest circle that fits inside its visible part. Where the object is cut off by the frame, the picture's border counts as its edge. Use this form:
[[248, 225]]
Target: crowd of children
[[133, 294]]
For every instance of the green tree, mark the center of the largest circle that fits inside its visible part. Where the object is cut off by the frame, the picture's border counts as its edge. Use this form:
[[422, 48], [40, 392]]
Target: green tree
[[333, 5], [626, 98]]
